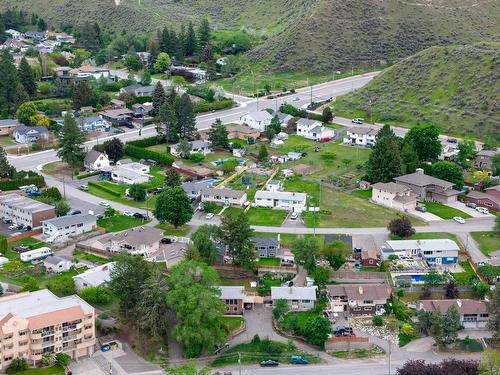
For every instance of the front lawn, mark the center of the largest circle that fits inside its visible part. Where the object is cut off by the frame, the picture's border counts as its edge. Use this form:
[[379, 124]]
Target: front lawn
[[268, 262], [358, 353], [259, 350], [365, 194], [488, 241], [463, 278], [301, 318], [118, 223], [443, 211], [78, 254], [287, 239], [54, 370], [170, 230], [260, 215], [231, 323]]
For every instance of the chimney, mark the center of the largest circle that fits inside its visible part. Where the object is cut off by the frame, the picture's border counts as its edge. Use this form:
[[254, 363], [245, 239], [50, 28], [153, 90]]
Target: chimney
[[360, 289], [459, 303], [419, 171]]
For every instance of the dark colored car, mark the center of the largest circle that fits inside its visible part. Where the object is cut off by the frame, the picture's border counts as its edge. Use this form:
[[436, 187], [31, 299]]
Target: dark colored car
[[421, 208], [75, 212], [99, 216], [269, 363], [157, 191], [166, 240], [138, 215]]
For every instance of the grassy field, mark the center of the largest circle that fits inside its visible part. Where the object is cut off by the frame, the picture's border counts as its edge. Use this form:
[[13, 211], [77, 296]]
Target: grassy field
[[301, 316], [260, 216], [53, 370], [170, 230], [488, 241], [268, 262], [444, 212], [231, 323], [118, 223], [149, 203], [463, 278], [357, 353], [287, 239], [365, 194], [78, 254]]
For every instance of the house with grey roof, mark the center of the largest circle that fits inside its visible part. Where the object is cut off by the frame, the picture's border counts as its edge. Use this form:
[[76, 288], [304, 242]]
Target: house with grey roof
[[283, 117], [361, 136], [434, 251], [227, 197], [266, 247], [396, 196], [92, 277], [484, 158], [284, 200], [314, 130], [8, 125], [92, 124], [299, 298], [60, 229], [428, 187], [30, 134], [96, 161], [57, 264], [138, 90], [193, 189], [257, 120], [233, 297], [118, 117], [197, 147]]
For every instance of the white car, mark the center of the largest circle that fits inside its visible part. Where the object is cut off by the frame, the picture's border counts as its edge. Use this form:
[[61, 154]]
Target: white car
[[357, 120], [84, 187], [296, 99], [104, 204], [459, 219], [128, 213], [483, 210], [13, 227], [209, 216], [294, 216]]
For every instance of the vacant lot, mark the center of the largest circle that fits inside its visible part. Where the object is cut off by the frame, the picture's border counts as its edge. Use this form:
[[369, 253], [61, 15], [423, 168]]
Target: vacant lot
[[488, 241]]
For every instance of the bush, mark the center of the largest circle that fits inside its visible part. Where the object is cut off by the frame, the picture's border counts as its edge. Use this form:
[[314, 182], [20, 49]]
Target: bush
[[378, 321], [82, 176], [104, 189], [204, 106], [270, 347], [196, 157], [39, 181], [146, 142], [210, 207], [17, 365], [96, 295], [142, 153]]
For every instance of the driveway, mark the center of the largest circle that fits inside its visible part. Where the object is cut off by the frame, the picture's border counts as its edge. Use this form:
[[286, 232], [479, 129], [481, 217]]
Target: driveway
[[425, 216], [472, 212]]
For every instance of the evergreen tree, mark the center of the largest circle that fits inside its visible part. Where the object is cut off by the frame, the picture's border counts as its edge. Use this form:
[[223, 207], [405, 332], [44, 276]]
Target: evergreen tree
[[152, 304], [71, 141], [275, 124], [409, 158], [180, 48], [190, 41], [27, 77], [82, 95], [6, 170], [451, 325], [236, 233], [186, 118], [493, 323], [158, 97], [385, 160], [218, 135], [99, 41], [42, 25], [8, 81], [263, 154], [203, 34], [204, 240], [172, 178], [21, 96], [167, 123], [165, 41]]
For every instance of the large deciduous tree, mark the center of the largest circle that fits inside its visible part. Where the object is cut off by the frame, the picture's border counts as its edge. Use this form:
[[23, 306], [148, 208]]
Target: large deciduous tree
[[70, 142], [401, 227], [306, 251], [26, 113], [204, 239], [194, 298], [317, 330], [173, 206], [114, 149], [425, 139], [384, 162], [448, 171]]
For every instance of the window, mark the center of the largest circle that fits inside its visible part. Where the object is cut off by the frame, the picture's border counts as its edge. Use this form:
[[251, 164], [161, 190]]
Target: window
[[368, 308], [357, 309], [368, 302], [484, 315]]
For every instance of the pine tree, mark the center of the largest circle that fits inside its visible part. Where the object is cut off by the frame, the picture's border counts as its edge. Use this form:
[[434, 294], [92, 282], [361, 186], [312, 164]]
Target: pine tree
[[190, 41], [71, 141], [165, 41], [167, 123], [158, 97], [81, 95], [186, 119], [88, 37], [21, 96], [8, 81], [218, 135], [99, 41], [203, 34], [27, 77], [385, 160]]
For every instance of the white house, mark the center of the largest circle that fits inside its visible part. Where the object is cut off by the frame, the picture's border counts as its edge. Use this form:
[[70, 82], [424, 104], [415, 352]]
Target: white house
[[17, 35], [59, 229], [131, 173], [257, 120], [273, 185], [312, 129], [291, 201], [197, 147], [397, 196], [30, 134], [435, 252], [57, 264], [96, 276], [96, 161], [298, 298], [227, 197], [193, 189], [361, 136]]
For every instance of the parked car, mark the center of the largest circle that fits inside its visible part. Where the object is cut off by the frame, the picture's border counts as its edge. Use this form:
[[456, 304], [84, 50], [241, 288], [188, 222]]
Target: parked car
[[483, 210], [104, 204], [294, 216], [288, 283], [166, 240], [209, 216], [139, 215], [75, 212], [296, 99], [157, 191], [471, 205], [421, 208], [299, 360], [452, 140], [343, 331], [128, 213], [220, 348], [13, 227], [357, 120], [84, 187], [269, 363], [459, 219], [99, 216]]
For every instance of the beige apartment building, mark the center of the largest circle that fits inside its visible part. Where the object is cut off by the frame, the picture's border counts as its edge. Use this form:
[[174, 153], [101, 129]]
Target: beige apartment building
[[35, 323], [24, 210]]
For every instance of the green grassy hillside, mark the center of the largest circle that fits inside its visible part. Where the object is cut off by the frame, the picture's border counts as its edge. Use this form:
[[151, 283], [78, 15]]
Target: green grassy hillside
[[455, 87]]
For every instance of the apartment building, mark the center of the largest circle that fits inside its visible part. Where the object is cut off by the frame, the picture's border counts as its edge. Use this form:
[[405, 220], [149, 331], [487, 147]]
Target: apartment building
[[24, 210], [61, 228], [35, 323]]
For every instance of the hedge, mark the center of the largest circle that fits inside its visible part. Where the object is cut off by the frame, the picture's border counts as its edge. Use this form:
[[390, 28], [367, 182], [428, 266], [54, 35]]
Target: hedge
[[146, 142], [296, 112], [39, 181], [143, 153], [204, 106], [82, 176], [143, 99], [104, 189]]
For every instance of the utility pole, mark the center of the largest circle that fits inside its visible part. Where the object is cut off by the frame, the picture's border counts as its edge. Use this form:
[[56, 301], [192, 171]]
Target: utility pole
[[352, 75], [389, 341], [239, 362], [64, 186]]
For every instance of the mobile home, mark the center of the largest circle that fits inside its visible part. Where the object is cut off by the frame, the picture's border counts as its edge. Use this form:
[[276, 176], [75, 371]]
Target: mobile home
[[36, 254]]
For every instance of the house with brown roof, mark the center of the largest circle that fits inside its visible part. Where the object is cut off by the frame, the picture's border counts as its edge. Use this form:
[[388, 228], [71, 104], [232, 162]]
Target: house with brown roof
[[396, 196], [473, 314], [429, 188], [143, 241], [484, 158], [488, 199], [358, 299]]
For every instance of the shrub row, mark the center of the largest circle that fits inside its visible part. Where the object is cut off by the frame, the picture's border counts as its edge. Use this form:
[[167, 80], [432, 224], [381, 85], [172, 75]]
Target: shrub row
[[104, 189], [146, 142], [143, 99], [204, 106], [143, 153], [82, 176], [296, 112], [39, 181]]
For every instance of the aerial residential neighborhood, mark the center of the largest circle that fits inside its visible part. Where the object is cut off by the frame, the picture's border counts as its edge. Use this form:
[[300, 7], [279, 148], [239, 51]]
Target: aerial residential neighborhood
[[249, 188]]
